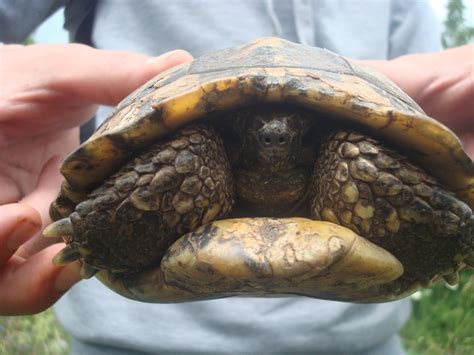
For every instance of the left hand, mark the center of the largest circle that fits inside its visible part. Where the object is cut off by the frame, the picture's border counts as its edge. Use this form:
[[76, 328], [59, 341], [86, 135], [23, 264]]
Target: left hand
[[46, 92]]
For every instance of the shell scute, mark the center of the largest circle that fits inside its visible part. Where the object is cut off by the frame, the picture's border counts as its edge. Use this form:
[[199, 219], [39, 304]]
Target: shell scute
[[265, 71]]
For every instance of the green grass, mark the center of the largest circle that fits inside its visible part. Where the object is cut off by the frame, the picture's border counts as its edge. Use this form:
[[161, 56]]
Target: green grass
[[33, 335], [443, 320], [442, 323]]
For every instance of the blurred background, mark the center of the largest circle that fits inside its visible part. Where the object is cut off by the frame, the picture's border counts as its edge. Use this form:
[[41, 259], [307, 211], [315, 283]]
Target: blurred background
[[52, 30], [443, 317]]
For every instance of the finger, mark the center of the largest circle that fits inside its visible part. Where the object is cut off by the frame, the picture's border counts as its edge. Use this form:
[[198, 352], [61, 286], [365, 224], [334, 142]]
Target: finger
[[44, 84], [40, 198], [32, 285], [18, 223], [96, 82], [449, 96], [10, 191], [468, 142], [93, 75]]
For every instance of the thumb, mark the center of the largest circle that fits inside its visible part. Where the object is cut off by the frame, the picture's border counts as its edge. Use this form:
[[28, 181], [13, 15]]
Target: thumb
[[77, 73], [51, 87], [106, 77]]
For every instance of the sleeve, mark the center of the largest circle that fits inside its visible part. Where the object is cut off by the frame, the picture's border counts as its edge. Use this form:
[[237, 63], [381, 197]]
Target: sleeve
[[414, 28], [19, 18]]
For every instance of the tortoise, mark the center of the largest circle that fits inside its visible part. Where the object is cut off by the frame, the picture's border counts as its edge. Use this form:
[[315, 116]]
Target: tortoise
[[271, 168]]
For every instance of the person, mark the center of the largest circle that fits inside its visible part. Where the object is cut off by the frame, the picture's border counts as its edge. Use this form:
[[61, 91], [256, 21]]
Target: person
[[47, 91]]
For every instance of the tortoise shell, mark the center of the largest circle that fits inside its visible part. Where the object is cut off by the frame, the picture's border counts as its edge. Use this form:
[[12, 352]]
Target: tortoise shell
[[269, 70]]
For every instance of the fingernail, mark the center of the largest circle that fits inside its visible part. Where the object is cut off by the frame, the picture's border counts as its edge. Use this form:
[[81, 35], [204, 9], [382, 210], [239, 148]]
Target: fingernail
[[164, 56], [22, 232], [67, 277]]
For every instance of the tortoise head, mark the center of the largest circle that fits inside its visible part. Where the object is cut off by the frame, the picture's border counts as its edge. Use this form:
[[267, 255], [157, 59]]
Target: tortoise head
[[272, 139]]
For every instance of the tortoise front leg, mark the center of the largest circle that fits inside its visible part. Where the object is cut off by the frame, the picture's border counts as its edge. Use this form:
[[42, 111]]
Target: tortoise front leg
[[380, 195], [169, 189]]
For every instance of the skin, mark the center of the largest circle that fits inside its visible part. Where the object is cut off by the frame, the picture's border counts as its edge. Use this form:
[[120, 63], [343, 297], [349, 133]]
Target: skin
[[274, 151], [43, 84]]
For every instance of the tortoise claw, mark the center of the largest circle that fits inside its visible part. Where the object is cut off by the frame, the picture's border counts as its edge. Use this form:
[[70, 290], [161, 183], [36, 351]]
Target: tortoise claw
[[60, 228], [451, 279], [469, 261]]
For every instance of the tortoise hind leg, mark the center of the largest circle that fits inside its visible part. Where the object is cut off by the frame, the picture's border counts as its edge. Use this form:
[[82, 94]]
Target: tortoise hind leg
[[380, 195], [166, 191]]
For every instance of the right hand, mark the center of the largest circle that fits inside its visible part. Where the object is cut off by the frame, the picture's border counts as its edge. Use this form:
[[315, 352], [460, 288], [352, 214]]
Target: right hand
[[441, 83], [47, 91]]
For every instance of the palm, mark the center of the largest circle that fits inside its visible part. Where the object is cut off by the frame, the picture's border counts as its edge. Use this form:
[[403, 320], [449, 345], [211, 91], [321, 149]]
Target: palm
[[29, 174], [36, 135], [23, 163]]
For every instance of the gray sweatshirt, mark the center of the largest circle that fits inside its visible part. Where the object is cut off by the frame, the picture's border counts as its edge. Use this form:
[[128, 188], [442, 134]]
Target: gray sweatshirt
[[102, 322]]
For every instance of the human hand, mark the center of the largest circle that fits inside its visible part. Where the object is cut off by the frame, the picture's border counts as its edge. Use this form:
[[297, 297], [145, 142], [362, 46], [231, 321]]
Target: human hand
[[46, 92], [442, 84]]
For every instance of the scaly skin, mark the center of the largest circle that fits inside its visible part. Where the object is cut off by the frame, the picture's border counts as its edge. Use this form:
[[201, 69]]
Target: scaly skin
[[185, 181], [271, 177], [163, 193], [376, 192]]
